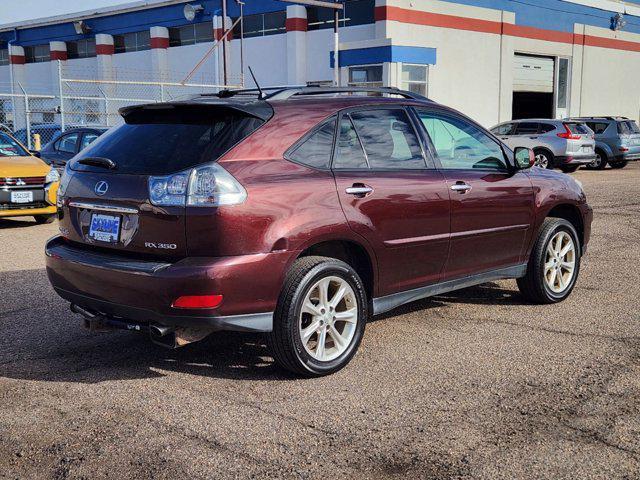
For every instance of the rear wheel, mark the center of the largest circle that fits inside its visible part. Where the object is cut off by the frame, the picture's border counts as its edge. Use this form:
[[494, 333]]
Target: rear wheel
[[320, 318], [619, 165], [40, 219], [570, 168], [544, 159], [599, 162], [554, 264]]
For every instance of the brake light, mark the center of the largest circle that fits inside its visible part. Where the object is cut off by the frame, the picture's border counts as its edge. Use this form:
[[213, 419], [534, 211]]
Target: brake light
[[197, 301], [208, 185], [567, 134]]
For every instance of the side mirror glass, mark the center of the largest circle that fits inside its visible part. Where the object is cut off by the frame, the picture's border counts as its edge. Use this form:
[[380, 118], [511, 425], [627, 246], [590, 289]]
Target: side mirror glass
[[524, 158]]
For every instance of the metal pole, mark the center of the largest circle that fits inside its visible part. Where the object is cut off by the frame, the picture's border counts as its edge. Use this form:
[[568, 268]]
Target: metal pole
[[60, 91], [241, 43], [336, 47], [26, 115], [224, 42]]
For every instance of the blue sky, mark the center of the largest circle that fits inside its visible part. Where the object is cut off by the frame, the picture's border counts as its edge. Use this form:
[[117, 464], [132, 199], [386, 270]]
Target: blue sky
[[20, 10]]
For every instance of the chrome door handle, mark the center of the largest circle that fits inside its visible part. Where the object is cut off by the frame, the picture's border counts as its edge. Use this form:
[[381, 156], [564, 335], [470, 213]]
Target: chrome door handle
[[364, 190], [461, 187]]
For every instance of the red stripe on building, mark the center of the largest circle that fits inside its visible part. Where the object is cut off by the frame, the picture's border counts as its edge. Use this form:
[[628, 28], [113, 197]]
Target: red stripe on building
[[218, 32], [295, 24], [58, 55], [486, 26], [104, 49], [16, 59], [159, 42]]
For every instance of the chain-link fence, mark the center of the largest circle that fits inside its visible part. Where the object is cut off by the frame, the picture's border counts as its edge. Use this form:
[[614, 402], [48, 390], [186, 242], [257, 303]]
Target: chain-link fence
[[89, 97]]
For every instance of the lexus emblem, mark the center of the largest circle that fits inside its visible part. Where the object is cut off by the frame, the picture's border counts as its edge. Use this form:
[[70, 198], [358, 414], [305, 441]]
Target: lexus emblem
[[101, 188]]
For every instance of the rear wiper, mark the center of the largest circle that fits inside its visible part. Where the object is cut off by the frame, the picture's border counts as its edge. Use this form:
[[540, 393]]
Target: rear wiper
[[98, 162]]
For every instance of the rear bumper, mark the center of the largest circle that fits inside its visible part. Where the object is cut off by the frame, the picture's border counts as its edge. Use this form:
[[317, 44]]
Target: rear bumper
[[627, 157], [143, 290], [575, 159]]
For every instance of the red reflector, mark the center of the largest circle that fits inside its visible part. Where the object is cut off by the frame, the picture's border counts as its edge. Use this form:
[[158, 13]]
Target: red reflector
[[197, 301]]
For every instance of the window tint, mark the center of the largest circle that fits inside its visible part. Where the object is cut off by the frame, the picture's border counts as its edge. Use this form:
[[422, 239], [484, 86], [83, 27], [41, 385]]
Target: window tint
[[526, 128], [628, 127], [316, 149], [461, 145], [349, 153], [87, 138], [388, 139], [547, 127], [67, 143], [506, 129]]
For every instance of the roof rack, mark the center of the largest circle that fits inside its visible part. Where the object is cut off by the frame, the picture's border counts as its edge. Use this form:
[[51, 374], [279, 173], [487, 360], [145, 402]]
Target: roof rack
[[286, 92], [606, 117]]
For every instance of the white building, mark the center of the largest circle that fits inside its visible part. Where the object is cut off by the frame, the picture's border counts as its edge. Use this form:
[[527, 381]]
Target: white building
[[492, 59]]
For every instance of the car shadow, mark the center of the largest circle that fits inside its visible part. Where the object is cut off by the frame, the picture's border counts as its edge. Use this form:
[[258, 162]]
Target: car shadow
[[16, 223], [44, 341]]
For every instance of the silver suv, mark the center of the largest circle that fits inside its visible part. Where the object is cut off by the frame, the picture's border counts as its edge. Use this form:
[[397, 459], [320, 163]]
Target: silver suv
[[617, 141], [556, 143]]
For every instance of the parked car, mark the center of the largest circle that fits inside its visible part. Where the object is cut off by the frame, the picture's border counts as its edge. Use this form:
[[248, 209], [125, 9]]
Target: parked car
[[556, 143], [301, 215], [28, 186], [617, 141], [65, 145], [46, 131]]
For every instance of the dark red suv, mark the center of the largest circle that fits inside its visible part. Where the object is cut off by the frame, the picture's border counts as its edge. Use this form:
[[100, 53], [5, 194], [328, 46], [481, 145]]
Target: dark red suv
[[301, 214]]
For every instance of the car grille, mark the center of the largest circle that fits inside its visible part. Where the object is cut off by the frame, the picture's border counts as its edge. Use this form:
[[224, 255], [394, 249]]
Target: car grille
[[21, 181], [23, 206]]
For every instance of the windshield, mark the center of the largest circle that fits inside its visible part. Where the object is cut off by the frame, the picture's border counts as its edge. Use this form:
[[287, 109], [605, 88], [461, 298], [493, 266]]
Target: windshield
[[10, 148], [163, 142]]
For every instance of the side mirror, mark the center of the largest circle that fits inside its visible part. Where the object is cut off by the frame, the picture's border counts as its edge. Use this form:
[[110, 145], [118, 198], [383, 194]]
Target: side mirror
[[35, 153], [524, 158]]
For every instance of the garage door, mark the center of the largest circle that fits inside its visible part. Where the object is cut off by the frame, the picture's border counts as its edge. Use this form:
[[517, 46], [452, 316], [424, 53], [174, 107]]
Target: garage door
[[533, 74]]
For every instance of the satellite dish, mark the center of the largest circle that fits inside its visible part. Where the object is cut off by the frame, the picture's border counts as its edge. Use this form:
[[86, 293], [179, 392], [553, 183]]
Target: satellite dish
[[190, 11]]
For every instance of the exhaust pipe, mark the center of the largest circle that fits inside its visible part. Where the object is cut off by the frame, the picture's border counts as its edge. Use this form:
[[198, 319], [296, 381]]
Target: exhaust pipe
[[163, 336]]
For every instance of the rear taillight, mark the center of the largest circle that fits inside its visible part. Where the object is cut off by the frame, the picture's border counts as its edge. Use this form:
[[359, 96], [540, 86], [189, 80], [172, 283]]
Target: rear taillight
[[567, 134], [204, 186], [197, 301]]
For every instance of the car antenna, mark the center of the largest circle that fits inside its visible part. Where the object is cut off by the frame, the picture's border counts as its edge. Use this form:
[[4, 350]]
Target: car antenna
[[255, 80]]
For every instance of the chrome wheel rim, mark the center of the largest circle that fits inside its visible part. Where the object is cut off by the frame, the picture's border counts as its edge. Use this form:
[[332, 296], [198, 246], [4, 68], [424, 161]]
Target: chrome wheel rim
[[541, 160], [560, 262], [596, 161], [328, 318]]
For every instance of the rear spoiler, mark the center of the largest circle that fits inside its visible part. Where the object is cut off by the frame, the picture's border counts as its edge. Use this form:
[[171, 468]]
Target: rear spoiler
[[255, 108]]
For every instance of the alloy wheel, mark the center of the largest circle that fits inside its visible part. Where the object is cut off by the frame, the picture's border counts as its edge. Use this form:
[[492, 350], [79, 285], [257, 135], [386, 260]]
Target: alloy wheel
[[541, 160], [328, 318], [596, 161], [560, 262]]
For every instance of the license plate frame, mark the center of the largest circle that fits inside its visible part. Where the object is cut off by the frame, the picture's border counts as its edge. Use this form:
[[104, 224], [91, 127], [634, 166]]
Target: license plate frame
[[22, 196], [105, 228]]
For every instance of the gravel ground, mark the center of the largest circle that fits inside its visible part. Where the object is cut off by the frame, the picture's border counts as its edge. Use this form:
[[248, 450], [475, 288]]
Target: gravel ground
[[474, 384]]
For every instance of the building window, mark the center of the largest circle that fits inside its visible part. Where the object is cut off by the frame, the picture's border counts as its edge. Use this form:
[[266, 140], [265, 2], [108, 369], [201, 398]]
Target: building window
[[191, 34], [81, 48], [356, 12], [36, 54], [262, 24], [414, 78], [4, 56], [132, 42], [365, 76]]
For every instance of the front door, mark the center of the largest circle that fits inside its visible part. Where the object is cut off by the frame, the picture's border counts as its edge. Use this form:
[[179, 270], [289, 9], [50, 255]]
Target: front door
[[492, 206], [393, 196]]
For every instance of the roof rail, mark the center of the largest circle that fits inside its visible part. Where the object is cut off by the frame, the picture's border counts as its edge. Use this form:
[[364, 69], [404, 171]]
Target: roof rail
[[289, 92]]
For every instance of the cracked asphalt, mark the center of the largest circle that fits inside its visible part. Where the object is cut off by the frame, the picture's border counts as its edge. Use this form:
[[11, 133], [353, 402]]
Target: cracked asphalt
[[473, 384]]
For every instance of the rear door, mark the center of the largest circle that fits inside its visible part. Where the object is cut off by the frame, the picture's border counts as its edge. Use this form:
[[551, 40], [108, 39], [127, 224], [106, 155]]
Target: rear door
[[392, 195], [492, 206]]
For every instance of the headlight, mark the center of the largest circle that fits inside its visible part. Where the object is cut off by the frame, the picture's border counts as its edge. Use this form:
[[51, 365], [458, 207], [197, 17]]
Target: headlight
[[52, 176]]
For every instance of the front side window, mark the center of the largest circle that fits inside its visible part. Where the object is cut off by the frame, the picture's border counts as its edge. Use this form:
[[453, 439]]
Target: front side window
[[506, 129], [67, 143], [461, 145], [389, 139], [316, 150], [414, 78], [597, 127], [365, 76]]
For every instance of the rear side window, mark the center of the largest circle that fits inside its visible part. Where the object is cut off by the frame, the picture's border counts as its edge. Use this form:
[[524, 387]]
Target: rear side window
[[67, 143], [527, 128], [547, 127], [316, 150], [389, 139], [164, 141], [578, 128]]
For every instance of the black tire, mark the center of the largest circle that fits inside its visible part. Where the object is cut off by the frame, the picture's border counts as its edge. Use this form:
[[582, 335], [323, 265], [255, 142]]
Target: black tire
[[570, 168], [549, 161], [619, 165], [41, 219], [600, 162], [285, 342], [532, 285]]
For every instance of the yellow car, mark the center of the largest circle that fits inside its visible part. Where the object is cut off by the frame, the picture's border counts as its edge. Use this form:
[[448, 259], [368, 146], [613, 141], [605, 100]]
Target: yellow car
[[28, 186]]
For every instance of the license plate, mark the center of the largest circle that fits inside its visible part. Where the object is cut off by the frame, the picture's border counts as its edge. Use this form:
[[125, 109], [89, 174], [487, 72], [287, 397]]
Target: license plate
[[21, 197], [104, 228], [587, 149]]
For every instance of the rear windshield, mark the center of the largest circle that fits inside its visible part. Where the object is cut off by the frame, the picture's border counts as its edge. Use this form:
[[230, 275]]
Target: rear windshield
[[627, 127], [578, 128], [159, 142]]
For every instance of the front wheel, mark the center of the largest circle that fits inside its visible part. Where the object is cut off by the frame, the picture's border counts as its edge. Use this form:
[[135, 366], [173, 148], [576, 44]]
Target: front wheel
[[320, 318], [554, 264], [543, 159], [619, 165]]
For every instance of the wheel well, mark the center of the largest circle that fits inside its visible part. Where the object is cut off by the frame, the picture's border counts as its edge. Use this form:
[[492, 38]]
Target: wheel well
[[572, 215], [349, 252], [545, 150], [603, 153]]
